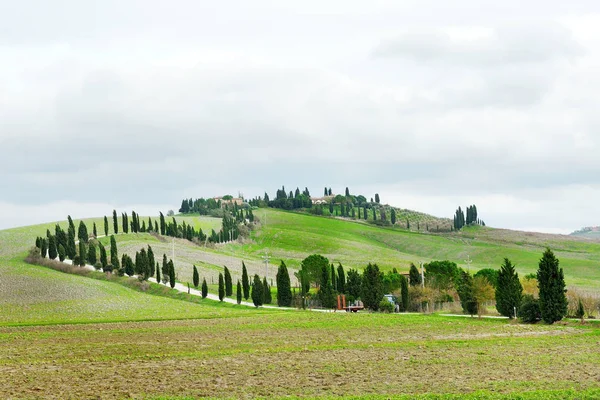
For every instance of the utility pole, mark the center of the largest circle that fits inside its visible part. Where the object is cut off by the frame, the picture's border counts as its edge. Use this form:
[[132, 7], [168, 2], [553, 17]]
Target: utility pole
[[468, 261], [266, 261]]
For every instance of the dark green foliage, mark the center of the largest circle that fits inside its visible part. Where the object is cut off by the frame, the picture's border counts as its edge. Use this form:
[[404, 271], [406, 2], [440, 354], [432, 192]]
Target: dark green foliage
[[509, 290], [341, 279], [333, 278], [313, 266], [163, 225], [465, 292], [228, 283], [391, 281], [284, 288], [103, 257], [109, 268], [326, 294], [171, 274], [196, 277], [441, 274], [128, 265], [71, 247], [98, 266], [551, 282], [95, 231], [385, 306], [221, 287], [52, 250], [125, 222], [105, 226], [151, 260], [530, 311], [114, 255], [404, 294], [267, 297], [157, 273], [44, 247], [372, 287], [91, 254], [165, 269], [257, 291], [580, 313], [245, 281], [353, 285], [38, 242], [204, 288], [414, 277], [62, 253], [115, 223], [82, 233], [76, 260], [82, 253], [239, 292], [377, 198], [393, 216], [490, 274]]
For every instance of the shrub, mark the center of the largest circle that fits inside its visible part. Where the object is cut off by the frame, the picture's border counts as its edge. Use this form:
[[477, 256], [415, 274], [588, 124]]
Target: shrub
[[385, 306], [76, 260], [530, 311], [109, 268], [98, 266]]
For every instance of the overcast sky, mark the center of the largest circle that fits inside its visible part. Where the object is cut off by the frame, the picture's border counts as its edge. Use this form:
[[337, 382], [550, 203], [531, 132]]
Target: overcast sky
[[433, 104]]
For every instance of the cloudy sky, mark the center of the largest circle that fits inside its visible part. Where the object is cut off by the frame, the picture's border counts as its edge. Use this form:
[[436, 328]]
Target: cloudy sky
[[433, 104]]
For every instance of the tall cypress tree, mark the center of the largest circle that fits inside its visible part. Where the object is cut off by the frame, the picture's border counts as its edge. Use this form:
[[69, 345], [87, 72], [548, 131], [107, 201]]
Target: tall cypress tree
[[333, 278], [239, 292], [341, 279], [44, 247], [204, 288], [245, 281], [125, 222], [325, 293], [82, 253], [105, 226], [372, 287], [257, 291], [83, 232], [267, 298], [509, 290], [171, 274], [284, 289], [163, 225], [151, 260], [114, 255], [414, 276], [91, 254], [71, 247], [95, 231], [157, 273], [52, 250], [103, 258], [228, 283], [404, 292], [551, 282], [393, 216], [165, 269], [196, 277], [221, 287], [115, 222]]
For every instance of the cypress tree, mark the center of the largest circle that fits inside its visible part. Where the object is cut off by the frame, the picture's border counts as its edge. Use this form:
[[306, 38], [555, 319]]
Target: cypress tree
[[52, 250], [62, 253], [91, 254], [171, 274], [95, 231], [157, 273], [125, 222], [115, 223], [257, 291], [393, 216], [333, 278], [128, 266], [71, 247], [245, 281], [228, 283], [44, 247], [372, 287], [239, 292], [105, 226], [267, 298], [466, 294], [365, 215], [165, 269], [151, 260], [284, 289], [377, 198], [155, 226], [38, 242], [71, 225], [221, 287], [551, 282], [82, 253], [163, 225], [414, 276], [509, 290], [341, 279], [114, 255], [196, 277], [103, 258], [325, 293], [374, 214], [204, 288], [404, 292]]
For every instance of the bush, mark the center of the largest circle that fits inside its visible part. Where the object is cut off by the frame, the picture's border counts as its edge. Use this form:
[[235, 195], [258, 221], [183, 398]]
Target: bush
[[98, 266], [530, 311], [385, 306], [76, 260]]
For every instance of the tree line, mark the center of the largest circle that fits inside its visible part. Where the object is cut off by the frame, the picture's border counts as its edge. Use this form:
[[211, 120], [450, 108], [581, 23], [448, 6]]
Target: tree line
[[471, 219]]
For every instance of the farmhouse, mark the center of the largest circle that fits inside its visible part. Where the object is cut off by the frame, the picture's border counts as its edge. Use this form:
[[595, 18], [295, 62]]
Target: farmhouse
[[321, 200], [229, 201]]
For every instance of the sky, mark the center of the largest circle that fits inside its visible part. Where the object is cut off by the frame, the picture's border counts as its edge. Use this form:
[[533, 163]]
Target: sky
[[431, 104]]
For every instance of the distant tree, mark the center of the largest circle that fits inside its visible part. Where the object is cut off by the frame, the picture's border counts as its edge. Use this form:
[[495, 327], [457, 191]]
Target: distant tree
[[313, 265], [284, 289], [331, 207], [490, 274], [347, 192], [71, 247], [103, 258], [204, 288], [374, 214], [414, 276], [551, 281], [157, 274], [239, 292], [91, 254], [341, 279], [128, 265], [377, 198], [95, 231], [325, 192], [365, 215], [580, 313], [329, 192], [171, 274], [466, 293], [245, 281], [62, 253], [441, 274], [165, 269], [353, 285], [105, 226], [509, 291], [82, 253], [483, 292], [372, 287], [52, 250], [407, 224], [221, 287], [325, 294], [125, 221], [196, 277], [228, 283], [82, 232], [257, 291], [267, 297], [404, 294], [115, 222], [151, 260], [393, 216], [43, 247], [156, 227], [114, 255], [333, 278], [163, 225]]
